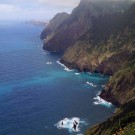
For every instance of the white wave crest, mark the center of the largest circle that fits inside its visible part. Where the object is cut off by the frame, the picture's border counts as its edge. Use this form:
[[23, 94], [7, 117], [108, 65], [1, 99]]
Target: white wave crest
[[65, 68], [45, 52], [103, 86], [100, 101], [89, 73], [68, 123], [91, 84], [49, 63], [77, 73]]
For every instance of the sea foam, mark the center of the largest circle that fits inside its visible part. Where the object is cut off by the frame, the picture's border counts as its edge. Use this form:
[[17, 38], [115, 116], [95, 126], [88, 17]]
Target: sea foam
[[91, 84], [67, 123], [100, 101], [77, 73], [65, 68], [46, 52], [49, 63], [89, 73]]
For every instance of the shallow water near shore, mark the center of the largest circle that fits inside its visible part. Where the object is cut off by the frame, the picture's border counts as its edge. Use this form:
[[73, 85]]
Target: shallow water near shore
[[36, 92]]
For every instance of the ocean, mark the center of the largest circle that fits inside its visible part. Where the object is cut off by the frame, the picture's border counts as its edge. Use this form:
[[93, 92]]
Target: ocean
[[39, 95]]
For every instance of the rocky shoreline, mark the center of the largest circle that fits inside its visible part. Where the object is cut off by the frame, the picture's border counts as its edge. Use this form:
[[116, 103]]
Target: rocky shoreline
[[101, 41], [107, 97]]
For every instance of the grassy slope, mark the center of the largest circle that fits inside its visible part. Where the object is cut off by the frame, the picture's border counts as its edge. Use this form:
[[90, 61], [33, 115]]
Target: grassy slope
[[79, 22], [109, 48], [111, 53], [121, 123]]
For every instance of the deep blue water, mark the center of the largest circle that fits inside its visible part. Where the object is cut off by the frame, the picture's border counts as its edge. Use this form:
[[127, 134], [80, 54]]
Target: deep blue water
[[34, 95]]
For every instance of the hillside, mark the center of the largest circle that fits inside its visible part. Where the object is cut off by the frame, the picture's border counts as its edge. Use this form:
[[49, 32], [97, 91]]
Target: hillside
[[80, 20], [121, 123], [54, 24], [105, 44], [109, 48]]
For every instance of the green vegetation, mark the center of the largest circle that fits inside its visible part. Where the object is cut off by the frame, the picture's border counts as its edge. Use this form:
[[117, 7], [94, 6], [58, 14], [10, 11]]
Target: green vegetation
[[98, 40], [68, 29], [109, 48], [121, 123]]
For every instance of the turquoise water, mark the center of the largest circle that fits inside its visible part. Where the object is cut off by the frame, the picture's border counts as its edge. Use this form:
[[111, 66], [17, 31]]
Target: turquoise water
[[36, 92]]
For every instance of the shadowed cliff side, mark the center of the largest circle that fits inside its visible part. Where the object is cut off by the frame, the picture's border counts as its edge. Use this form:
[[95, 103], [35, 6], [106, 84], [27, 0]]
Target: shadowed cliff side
[[80, 20], [100, 37], [54, 24], [109, 48]]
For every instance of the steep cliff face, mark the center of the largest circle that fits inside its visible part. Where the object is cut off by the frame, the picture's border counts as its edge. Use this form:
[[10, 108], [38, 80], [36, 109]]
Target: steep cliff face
[[109, 48], [101, 38], [121, 86], [54, 24], [79, 22]]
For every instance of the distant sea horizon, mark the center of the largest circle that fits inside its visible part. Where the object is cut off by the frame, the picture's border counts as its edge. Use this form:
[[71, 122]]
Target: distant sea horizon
[[38, 93]]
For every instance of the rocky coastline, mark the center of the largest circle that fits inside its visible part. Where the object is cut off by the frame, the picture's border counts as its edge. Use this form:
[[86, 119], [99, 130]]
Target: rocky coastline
[[101, 41], [106, 96]]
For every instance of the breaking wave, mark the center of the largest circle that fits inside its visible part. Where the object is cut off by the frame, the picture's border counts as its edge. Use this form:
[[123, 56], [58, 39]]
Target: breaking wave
[[46, 52], [100, 101], [71, 124], [49, 63], [91, 84], [77, 73], [65, 68]]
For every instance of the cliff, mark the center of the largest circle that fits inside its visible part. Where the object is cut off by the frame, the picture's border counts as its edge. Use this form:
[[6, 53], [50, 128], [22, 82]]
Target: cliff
[[121, 123], [54, 24], [78, 23], [100, 37], [109, 48]]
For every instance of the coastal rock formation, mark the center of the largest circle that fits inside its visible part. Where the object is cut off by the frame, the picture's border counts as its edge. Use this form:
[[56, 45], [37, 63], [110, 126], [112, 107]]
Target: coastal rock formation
[[100, 37], [109, 48], [121, 123], [78, 23], [112, 52], [54, 24]]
